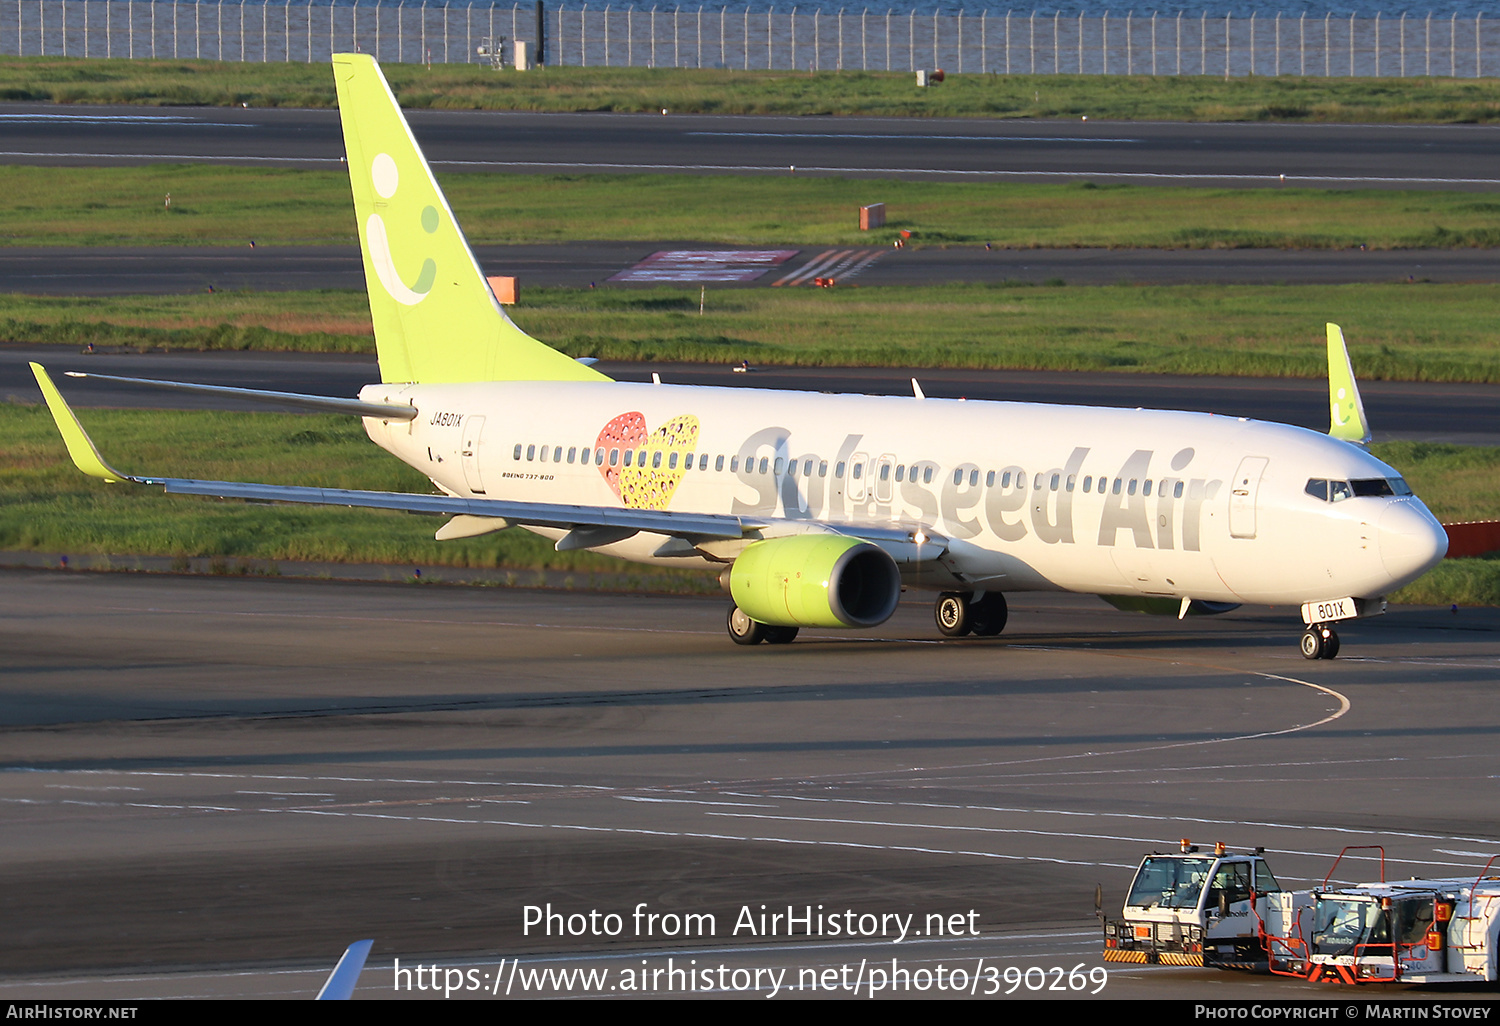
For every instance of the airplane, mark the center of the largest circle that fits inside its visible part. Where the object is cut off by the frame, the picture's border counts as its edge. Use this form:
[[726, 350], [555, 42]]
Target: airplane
[[820, 510]]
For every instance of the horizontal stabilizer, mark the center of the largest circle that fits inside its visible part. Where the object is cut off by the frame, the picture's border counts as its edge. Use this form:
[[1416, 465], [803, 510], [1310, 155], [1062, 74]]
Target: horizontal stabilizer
[[327, 404]]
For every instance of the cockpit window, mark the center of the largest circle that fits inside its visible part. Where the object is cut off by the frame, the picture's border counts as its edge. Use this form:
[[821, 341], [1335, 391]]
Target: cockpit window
[[1337, 491]]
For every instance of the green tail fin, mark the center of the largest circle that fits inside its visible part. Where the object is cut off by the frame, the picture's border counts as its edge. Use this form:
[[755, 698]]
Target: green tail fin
[[436, 319], [1347, 410]]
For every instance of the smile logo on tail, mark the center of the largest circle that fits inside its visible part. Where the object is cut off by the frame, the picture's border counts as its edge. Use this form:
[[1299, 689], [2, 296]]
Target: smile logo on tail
[[386, 178], [651, 479]]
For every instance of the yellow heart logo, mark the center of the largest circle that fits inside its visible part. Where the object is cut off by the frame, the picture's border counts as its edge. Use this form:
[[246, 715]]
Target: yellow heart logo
[[659, 466]]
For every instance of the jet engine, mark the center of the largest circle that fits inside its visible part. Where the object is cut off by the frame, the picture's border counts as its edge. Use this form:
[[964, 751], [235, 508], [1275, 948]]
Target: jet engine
[[815, 580]]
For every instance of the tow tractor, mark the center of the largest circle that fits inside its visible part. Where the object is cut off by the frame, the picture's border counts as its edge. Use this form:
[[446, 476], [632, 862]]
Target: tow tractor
[[1188, 908], [1407, 931]]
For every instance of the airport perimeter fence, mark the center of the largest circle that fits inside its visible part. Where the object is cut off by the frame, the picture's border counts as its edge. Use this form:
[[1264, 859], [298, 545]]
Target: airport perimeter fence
[[608, 35]]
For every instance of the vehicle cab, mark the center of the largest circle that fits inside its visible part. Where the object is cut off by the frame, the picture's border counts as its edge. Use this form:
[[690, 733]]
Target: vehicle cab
[[1192, 908], [1412, 931]]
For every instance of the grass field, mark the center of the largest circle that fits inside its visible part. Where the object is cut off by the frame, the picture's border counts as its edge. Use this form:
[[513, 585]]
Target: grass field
[[1422, 332], [55, 206], [47, 506], [472, 86]]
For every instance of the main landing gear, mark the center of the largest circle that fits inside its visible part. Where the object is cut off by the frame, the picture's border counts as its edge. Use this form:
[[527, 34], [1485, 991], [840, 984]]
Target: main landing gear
[[959, 613], [1320, 641], [745, 631]]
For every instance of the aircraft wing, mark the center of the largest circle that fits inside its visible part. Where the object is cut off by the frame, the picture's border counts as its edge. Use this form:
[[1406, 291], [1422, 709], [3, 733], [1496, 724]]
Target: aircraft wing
[[592, 525]]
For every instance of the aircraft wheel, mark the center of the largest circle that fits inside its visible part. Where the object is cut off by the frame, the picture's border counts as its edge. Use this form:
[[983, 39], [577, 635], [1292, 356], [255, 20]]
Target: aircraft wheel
[[780, 635], [988, 616], [1312, 644], [952, 614], [1330, 644], [743, 630]]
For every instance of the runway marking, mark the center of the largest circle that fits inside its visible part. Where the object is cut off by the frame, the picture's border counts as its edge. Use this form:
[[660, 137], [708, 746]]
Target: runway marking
[[836, 264], [1116, 815], [691, 801], [1344, 707], [538, 165], [157, 120], [694, 265], [908, 137]]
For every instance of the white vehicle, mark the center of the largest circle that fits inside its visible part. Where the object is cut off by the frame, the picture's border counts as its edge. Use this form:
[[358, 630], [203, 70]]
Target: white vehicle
[[1402, 931], [1187, 908], [819, 510]]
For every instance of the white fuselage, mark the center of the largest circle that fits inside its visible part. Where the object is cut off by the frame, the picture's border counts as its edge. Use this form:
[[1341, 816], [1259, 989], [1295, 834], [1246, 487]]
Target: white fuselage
[[1026, 496]]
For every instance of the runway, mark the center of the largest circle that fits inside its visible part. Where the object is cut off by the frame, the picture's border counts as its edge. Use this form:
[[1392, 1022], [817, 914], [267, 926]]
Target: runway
[[157, 270], [1232, 155], [1467, 414], [208, 779]]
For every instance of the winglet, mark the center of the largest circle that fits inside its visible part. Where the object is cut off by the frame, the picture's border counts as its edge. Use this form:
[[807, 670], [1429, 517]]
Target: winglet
[[340, 983], [1347, 419], [80, 446]]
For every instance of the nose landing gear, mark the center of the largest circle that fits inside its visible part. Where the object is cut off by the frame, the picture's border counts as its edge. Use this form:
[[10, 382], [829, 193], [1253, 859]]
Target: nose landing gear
[[1320, 641]]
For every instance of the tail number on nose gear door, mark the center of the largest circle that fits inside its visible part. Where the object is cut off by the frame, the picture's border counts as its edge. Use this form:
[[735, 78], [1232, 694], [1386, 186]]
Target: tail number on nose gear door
[[1325, 612]]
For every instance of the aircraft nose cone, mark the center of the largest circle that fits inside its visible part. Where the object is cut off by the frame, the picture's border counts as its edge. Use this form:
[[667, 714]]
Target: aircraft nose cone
[[1411, 541]]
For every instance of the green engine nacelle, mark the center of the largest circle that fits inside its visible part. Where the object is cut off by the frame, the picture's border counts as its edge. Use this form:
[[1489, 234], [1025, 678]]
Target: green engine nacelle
[[815, 580]]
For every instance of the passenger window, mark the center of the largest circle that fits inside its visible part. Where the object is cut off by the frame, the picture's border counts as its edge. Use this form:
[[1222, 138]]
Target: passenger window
[[599, 457], [640, 458], [687, 462], [885, 472], [614, 457], [823, 469], [629, 457], [1317, 488], [765, 463], [656, 459], [1116, 489], [958, 476], [1130, 489], [530, 452], [734, 464], [518, 450], [572, 453], [1005, 481], [1071, 479], [1146, 488], [557, 455], [672, 462], [973, 478], [807, 469], [778, 465], [838, 471], [859, 470], [703, 461], [989, 479], [718, 463], [544, 454], [1177, 490], [1036, 485], [1088, 482], [901, 472], [927, 474], [1056, 480]]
